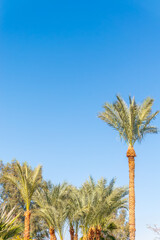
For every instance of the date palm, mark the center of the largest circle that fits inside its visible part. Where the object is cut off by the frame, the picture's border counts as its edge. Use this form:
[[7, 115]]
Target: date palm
[[26, 181], [43, 199], [52, 207], [132, 123], [97, 202]]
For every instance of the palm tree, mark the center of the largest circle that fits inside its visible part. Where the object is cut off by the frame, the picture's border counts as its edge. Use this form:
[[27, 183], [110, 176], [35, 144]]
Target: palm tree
[[26, 181], [9, 226], [73, 211], [43, 198], [52, 208], [97, 202], [132, 123]]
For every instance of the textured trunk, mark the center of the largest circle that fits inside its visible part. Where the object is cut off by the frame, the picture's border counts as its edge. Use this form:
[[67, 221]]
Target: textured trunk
[[91, 234], [98, 233], [52, 233], [71, 233], [27, 215], [131, 154], [76, 236]]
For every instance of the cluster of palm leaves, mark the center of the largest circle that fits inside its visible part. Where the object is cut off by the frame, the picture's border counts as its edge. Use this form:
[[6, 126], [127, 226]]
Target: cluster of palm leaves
[[132, 122], [86, 210], [9, 225]]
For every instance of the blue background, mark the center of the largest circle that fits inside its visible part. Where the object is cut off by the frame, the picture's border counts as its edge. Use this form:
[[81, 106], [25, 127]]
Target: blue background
[[59, 62]]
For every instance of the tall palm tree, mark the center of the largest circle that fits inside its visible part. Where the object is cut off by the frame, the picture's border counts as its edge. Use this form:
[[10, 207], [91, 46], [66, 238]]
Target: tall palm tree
[[26, 181], [9, 226], [132, 123], [52, 207]]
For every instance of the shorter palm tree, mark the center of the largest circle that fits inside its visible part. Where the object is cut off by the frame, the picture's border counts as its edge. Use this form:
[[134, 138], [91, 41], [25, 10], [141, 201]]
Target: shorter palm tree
[[43, 198], [9, 225], [26, 181], [52, 208], [98, 201]]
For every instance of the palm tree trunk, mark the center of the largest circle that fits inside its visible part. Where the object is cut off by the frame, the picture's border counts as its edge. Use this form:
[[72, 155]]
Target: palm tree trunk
[[91, 234], [98, 233], [131, 154], [52, 234], [27, 215], [71, 232]]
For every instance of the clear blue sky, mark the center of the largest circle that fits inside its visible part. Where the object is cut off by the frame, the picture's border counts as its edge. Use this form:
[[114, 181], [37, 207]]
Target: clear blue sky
[[59, 62]]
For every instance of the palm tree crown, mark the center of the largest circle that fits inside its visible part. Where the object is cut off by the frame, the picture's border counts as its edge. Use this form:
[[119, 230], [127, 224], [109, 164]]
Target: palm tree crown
[[26, 181], [98, 201], [133, 121]]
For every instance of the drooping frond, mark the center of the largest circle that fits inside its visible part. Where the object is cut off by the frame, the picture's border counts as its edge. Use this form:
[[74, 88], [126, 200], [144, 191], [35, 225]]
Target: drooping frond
[[133, 121], [145, 108]]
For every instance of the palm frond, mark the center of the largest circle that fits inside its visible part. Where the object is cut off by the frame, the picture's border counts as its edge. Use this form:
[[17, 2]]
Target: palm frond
[[131, 122]]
